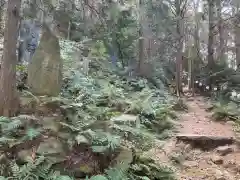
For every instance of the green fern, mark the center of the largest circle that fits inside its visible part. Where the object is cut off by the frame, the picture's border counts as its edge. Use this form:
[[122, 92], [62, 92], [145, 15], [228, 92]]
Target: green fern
[[12, 126], [98, 177], [3, 178], [104, 141], [225, 112], [6, 140], [34, 170], [32, 133], [117, 174]]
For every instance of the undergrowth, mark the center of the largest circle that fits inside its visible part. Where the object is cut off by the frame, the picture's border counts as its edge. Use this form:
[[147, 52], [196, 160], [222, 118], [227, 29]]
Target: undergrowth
[[73, 136], [225, 112]]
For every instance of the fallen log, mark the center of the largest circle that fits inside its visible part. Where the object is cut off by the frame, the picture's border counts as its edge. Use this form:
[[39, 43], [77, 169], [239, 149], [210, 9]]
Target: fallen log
[[205, 142]]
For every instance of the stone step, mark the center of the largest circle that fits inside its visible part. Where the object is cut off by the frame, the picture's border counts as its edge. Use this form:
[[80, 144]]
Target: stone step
[[205, 142]]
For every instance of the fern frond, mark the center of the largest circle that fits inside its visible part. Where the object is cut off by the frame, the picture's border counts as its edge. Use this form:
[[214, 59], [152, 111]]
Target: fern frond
[[6, 140], [28, 169], [117, 174], [12, 126], [4, 120], [31, 94], [32, 134], [44, 170], [70, 126], [15, 169], [3, 178], [99, 177]]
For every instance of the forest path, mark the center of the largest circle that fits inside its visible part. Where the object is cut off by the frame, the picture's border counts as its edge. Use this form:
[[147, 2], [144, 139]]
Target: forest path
[[193, 163], [198, 121]]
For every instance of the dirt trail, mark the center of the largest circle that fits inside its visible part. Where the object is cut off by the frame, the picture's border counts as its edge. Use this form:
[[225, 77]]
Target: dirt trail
[[197, 120], [194, 164]]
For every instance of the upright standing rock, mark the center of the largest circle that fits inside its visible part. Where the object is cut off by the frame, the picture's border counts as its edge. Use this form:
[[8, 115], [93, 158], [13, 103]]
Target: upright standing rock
[[45, 69]]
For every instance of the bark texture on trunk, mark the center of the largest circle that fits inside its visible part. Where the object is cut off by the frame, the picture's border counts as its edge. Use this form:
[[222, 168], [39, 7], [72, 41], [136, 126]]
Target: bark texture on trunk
[[179, 56], [237, 38], [221, 49], [141, 40], [8, 91], [2, 2], [211, 34]]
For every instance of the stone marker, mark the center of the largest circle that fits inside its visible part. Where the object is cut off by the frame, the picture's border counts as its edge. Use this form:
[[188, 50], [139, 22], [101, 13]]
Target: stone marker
[[45, 69]]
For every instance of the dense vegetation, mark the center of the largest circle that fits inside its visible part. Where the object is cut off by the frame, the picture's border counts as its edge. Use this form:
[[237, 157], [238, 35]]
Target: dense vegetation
[[104, 84]]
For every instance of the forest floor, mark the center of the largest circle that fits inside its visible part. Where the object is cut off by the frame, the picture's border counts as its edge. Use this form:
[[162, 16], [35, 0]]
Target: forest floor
[[190, 162]]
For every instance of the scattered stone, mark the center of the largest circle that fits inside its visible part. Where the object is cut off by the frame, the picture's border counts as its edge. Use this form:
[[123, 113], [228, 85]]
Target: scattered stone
[[197, 152], [228, 176], [187, 148], [224, 150], [177, 158], [126, 119], [223, 175], [230, 123], [233, 165], [190, 99], [229, 163], [190, 164], [81, 139], [219, 175], [237, 168], [217, 159]]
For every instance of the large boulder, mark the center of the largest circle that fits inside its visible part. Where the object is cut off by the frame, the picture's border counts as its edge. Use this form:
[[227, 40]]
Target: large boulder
[[45, 69]]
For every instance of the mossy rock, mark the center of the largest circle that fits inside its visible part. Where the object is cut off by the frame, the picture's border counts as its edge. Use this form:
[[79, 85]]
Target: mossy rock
[[45, 69]]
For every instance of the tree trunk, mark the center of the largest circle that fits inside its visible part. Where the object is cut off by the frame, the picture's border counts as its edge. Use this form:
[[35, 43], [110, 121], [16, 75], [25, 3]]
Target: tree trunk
[[211, 34], [2, 2], [190, 68], [237, 39], [197, 19], [221, 49], [140, 40], [179, 55], [236, 21], [8, 92], [141, 51], [196, 36], [69, 30]]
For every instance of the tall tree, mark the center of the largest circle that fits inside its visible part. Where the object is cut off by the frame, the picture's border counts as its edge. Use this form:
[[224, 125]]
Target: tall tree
[[221, 49], [8, 91], [141, 39], [2, 3], [180, 6], [236, 22], [211, 34]]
